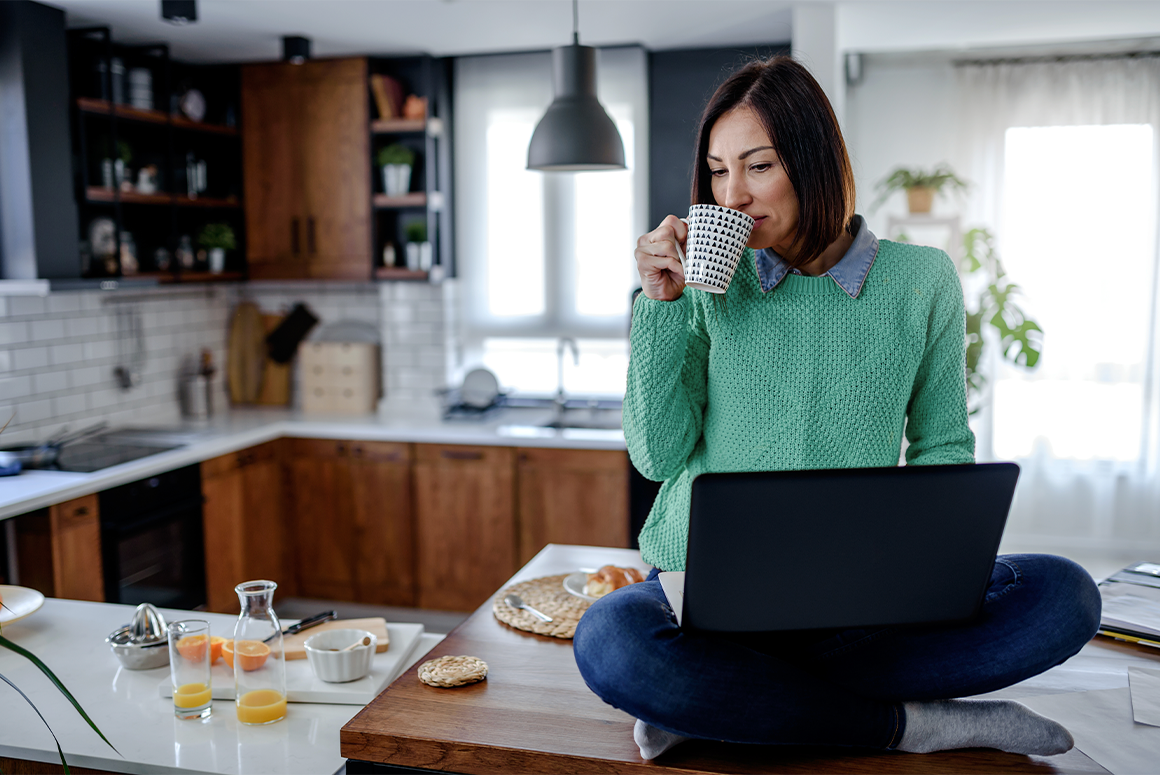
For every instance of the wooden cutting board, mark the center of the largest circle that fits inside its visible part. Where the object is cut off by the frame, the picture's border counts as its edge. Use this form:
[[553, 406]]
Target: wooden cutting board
[[246, 356], [275, 376], [295, 644]]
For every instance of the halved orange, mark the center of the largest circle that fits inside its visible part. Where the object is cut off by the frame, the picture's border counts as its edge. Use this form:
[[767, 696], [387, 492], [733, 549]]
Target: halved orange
[[193, 647], [216, 642], [251, 654], [228, 653]]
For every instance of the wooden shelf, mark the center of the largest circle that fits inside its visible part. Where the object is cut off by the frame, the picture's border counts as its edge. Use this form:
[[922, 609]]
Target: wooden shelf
[[169, 278], [383, 126], [384, 202], [104, 107], [98, 194], [398, 273]]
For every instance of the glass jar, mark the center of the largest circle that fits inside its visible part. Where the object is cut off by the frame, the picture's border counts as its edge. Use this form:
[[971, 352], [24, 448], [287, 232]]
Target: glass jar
[[259, 669]]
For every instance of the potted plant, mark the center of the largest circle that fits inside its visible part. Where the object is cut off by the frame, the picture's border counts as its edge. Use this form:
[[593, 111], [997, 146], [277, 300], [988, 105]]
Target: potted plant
[[217, 238], [994, 305], [396, 161], [920, 186], [418, 248]]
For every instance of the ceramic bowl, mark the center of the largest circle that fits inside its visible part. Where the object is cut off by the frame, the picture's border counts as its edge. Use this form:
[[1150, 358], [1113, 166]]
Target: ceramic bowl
[[340, 666]]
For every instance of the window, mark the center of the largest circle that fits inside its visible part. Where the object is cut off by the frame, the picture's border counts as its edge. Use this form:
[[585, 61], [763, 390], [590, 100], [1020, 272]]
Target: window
[[1078, 237], [545, 255]]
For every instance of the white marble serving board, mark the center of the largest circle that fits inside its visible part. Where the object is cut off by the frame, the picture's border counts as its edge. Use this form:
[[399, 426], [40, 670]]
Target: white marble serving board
[[303, 686]]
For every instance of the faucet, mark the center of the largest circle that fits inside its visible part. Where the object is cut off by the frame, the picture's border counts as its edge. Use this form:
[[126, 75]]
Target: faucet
[[561, 346]]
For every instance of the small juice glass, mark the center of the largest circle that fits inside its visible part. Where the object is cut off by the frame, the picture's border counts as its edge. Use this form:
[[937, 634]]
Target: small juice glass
[[189, 667]]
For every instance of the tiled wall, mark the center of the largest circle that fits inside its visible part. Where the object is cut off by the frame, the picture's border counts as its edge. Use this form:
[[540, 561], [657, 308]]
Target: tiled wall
[[58, 353]]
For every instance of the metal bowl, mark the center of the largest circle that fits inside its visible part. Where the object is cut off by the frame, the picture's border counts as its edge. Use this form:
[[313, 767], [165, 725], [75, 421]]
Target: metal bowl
[[138, 656]]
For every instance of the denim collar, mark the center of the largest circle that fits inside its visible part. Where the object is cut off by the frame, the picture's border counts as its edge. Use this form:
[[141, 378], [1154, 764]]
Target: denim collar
[[849, 273]]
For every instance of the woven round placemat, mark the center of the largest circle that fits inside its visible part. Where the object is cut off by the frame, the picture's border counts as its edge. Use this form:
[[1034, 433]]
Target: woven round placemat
[[447, 672], [547, 595]]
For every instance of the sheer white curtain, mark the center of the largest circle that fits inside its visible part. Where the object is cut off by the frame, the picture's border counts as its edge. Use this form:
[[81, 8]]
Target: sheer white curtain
[[546, 255], [1063, 155]]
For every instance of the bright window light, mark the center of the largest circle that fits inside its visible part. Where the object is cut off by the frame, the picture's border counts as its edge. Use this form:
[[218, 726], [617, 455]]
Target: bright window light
[[515, 219], [1077, 237], [529, 365]]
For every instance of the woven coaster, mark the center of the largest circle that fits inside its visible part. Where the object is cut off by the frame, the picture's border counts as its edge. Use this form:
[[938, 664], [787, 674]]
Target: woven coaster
[[446, 672], [547, 595]]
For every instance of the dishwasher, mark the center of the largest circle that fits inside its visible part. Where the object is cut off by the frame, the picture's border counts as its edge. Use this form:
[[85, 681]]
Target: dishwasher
[[152, 547]]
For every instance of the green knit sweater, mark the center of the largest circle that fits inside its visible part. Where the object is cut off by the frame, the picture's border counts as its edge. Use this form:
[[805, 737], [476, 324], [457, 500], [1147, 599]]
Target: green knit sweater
[[801, 377]]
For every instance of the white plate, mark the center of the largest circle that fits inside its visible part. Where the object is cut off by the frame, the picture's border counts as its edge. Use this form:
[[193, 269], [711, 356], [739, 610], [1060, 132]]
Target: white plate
[[19, 602], [574, 584]]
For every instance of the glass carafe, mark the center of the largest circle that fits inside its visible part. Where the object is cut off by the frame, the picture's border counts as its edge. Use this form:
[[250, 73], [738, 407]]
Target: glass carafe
[[259, 669]]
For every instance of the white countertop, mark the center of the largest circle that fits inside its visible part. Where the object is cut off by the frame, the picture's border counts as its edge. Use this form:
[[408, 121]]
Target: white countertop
[[239, 429], [69, 635]]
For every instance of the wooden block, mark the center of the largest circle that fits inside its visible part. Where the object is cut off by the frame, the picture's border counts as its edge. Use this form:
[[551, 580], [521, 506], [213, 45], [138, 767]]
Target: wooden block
[[275, 376], [295, 644]]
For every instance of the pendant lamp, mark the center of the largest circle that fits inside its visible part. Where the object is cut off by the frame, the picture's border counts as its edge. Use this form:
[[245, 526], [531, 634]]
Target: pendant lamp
[[575, 134]]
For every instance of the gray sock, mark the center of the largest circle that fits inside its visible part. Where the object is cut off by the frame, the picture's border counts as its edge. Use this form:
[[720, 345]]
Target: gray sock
[[652, 741], [1002, 724]]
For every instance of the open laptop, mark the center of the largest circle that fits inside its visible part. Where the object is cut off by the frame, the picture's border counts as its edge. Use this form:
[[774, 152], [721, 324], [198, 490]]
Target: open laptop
[[797, 550]]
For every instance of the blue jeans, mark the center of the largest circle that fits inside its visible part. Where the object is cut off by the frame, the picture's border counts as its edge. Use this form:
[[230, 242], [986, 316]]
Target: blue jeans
[[834, 687]]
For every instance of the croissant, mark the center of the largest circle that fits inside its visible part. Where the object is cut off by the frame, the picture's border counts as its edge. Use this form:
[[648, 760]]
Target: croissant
[[610, 578]]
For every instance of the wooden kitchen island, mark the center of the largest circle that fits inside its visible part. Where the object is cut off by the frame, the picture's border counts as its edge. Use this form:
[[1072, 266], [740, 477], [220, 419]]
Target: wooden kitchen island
[[534, 714]]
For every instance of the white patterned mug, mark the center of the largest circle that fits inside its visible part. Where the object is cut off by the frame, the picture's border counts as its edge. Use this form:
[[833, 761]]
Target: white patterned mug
[[714, 246]]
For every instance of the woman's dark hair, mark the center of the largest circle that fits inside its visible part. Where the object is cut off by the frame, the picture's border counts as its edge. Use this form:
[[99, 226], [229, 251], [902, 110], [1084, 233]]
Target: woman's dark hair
[[804, 132]]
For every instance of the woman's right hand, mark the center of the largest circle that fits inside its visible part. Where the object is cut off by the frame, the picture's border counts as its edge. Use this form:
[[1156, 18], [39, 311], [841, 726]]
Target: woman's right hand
[[657, 260]]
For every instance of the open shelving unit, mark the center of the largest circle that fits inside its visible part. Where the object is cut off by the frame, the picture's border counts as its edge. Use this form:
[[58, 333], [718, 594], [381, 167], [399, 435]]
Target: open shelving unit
[[156, 135], [429, 198]]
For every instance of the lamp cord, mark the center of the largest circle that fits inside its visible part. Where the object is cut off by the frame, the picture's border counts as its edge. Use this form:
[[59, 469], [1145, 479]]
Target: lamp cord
[[575, 22]]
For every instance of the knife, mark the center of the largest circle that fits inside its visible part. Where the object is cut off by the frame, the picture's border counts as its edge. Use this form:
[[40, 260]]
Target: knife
[[307, 623]]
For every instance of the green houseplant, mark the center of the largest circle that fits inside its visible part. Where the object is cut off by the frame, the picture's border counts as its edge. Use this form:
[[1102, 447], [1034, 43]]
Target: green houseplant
[[217, 238], [994, 305], [920, 186], [396, 162]]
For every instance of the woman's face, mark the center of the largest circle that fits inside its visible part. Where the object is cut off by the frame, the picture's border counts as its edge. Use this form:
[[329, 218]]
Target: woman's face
[[747, 176]]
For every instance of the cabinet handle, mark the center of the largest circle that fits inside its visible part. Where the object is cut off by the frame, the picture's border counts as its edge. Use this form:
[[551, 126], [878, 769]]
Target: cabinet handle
[[82, 511], [310, 246], [294, 244], [356, 451], [342, 449], [455, 454]]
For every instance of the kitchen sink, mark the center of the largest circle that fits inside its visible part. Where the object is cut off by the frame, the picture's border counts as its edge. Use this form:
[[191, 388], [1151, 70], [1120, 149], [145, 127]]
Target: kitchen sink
[[587, 418]]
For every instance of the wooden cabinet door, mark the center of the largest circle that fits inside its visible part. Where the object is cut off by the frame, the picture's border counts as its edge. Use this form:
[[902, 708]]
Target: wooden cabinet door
[[334, 134], [76, 549], [319, 487], [464, 522], [273, 171], [243, 519], [572, 496], [382, 538]]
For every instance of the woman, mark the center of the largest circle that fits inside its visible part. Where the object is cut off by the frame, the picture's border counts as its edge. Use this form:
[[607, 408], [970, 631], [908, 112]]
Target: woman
[[828, 344]]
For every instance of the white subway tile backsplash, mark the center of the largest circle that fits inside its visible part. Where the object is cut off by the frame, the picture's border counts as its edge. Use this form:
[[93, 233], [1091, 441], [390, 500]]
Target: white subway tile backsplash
[[65, 302], [32, 412], [63, 354], [29, 358], [66, 405], [14, 387], [48, 330], [3, 306], [87, 376], [100, 349], [26, 305], [13, 333], [49, 381]]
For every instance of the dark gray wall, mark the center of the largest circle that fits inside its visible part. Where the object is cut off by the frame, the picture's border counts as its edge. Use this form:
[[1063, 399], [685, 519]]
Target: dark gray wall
[[680, 84], [38, 214]]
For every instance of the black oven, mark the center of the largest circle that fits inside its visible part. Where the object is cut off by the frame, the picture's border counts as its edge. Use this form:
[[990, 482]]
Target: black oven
[[152, 547]]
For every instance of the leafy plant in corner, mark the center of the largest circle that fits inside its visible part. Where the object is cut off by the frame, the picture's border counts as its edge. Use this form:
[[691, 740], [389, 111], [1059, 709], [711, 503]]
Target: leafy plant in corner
[[217, 235], [1020, 337], [905, 179], [395, 154], [5, 643], [416, 231]]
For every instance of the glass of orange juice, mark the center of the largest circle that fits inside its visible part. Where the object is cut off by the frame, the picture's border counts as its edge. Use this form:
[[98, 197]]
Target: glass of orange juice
[[189, 667]]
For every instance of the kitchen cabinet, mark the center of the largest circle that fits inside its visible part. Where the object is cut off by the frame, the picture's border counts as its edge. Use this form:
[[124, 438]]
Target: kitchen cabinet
[[306, 152], [57, 551], [571, 496], [76, 549], [464, 522], [352, 516], [244, 519]]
